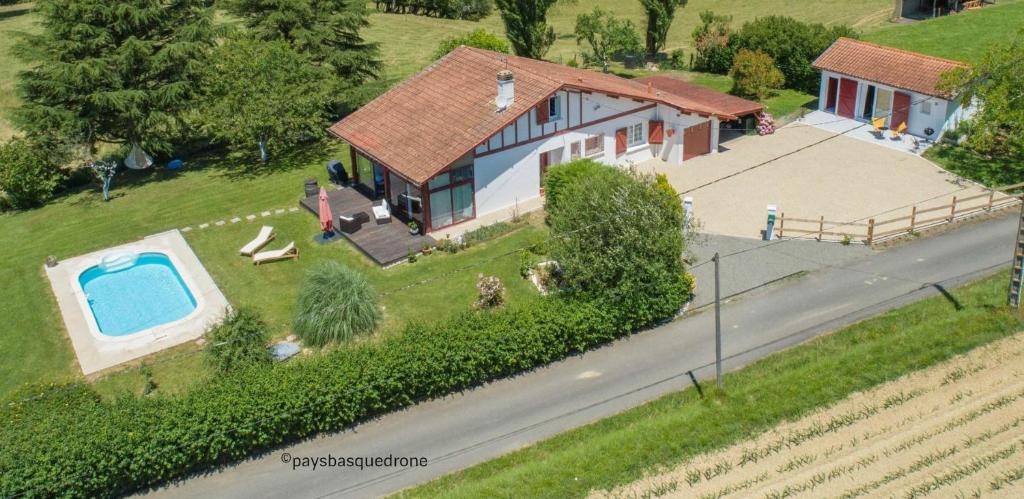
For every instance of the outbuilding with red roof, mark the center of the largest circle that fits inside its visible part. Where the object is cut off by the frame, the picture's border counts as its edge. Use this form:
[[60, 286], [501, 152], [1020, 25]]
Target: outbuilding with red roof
[[897, 88]]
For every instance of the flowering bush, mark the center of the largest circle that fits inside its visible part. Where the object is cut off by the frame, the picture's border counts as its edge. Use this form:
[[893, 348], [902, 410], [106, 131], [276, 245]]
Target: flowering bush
[[765, 124], [492, 292]]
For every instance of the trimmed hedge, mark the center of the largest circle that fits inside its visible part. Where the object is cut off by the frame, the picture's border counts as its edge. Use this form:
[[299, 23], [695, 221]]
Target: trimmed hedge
[[65, 441]]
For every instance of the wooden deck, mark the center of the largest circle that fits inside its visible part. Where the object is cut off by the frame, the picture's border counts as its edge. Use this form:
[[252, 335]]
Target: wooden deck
[[383, 243]]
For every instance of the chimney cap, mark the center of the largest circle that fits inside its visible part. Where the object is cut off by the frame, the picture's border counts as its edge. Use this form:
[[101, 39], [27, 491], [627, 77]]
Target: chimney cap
[[505, 75]]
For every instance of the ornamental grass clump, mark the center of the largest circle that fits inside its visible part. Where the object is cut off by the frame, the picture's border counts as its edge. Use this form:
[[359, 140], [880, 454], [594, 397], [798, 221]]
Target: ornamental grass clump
[[335, 304]]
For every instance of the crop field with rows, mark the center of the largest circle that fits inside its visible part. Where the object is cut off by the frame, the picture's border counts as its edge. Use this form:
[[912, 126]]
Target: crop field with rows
[[953, 430]]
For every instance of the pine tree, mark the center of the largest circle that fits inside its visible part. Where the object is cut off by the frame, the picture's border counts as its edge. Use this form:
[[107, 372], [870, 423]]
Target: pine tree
[[114, 71], [327, 31], [660, 14], [526, 25]]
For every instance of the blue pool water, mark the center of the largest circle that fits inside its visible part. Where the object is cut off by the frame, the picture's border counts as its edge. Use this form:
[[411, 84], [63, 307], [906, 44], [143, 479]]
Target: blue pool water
[[141, 296]]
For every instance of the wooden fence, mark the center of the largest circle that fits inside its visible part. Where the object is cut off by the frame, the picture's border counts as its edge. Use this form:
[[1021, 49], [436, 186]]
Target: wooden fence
[[874, 230]]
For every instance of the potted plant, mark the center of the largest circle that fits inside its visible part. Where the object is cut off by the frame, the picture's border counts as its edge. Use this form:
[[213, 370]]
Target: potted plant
[[426, 248], [414, 228]]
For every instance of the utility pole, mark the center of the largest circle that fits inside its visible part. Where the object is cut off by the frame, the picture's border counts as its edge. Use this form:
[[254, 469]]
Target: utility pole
[[718, 326], [1017, 267]]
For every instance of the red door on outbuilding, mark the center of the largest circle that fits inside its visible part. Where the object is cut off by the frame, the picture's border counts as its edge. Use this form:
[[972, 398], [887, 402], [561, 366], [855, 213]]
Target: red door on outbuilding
[[847, 98], [900, 109], [697, 140]]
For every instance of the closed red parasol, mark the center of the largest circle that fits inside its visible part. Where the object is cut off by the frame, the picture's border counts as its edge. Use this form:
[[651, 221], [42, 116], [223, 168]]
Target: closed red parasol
[[325, 212]]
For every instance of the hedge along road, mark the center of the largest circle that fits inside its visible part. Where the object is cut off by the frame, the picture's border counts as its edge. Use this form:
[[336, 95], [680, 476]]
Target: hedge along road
[[464, 429]]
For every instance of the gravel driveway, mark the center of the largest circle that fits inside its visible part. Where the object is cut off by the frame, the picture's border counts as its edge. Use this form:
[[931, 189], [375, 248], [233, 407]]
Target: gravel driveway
[[818, 174]]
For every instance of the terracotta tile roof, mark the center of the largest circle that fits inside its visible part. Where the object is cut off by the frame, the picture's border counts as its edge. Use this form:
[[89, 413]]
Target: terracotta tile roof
[[426, 123], [722, 102], [886, 65]]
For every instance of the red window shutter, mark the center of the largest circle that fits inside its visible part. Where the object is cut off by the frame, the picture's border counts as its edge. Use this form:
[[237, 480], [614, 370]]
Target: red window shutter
[[620, 141], [655, 132], [542, 112]]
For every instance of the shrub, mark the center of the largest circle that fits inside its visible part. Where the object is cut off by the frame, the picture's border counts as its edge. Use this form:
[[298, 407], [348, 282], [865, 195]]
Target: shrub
[[754, 75], [492, 292], [559, 176], [239, 341], [619, 241], [82, 446], [472, 10], [676, 60], [28, 173], [712, 50], [479, 38], [487, 232], [527, 261], [792, 44], [335, 304]]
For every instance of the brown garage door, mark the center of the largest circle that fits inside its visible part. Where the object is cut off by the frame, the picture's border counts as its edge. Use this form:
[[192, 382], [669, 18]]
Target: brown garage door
[[697, 140]]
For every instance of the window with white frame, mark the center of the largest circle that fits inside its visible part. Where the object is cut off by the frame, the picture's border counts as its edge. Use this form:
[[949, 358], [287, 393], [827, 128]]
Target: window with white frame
[[594, 146], [926, 107], [635, 134], [554, 108]]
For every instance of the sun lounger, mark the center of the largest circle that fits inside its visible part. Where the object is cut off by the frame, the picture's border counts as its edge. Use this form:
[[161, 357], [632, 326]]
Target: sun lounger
[[262, 239], [286, 253]]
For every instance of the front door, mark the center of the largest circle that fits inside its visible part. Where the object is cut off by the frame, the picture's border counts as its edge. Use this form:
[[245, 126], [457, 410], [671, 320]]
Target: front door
[[900, 109], [847, 98]]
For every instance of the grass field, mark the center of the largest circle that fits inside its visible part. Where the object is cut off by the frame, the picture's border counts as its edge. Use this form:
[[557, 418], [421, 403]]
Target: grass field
[[964, 37], [956, 428], [407, 41], [34, 346], [783, 387]]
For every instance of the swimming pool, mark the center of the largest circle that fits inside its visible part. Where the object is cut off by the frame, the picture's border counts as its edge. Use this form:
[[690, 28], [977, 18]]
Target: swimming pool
[[128, 293]]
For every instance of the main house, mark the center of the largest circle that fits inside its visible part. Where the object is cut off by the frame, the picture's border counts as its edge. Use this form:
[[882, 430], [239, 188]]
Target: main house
[[474, 133], [861, 80]]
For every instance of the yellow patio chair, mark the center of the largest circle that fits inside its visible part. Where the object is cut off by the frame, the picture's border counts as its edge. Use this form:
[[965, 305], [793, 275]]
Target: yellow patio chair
[[897, 132], [878, 123]]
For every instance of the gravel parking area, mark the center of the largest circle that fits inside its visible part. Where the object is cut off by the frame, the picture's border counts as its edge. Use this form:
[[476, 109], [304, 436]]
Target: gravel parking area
[[817, 173]]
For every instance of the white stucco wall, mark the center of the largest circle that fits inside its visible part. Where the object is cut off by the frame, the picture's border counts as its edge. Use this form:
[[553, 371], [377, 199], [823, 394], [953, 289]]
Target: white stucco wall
[[943, 115], [512, 174]]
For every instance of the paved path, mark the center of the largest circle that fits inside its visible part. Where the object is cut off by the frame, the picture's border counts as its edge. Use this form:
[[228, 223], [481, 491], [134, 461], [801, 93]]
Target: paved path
[[467, 428]]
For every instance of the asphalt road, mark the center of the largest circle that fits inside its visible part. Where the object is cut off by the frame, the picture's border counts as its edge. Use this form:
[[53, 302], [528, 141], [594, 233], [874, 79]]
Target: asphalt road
[[464, 429]]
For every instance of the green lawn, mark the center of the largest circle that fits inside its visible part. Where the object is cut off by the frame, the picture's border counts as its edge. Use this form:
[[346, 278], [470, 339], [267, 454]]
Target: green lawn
[[34, 346], [784, 386], [14, 19], [963, 37]]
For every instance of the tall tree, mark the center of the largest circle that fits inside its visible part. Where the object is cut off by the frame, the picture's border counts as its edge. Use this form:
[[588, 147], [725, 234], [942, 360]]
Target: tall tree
[[660, 14], [996, 131], [327, 31], [114, 71], [607, 36], [526, 26], [264, 93]]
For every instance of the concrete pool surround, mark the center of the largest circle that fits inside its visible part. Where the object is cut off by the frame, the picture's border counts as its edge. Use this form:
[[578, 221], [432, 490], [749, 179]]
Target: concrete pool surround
[[97, 351]]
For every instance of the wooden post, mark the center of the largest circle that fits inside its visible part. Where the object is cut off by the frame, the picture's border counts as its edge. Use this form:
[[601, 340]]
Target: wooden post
[[913, 217], [952, 210], [782, 221], [821, 227], [871, 230], [991, 194]]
